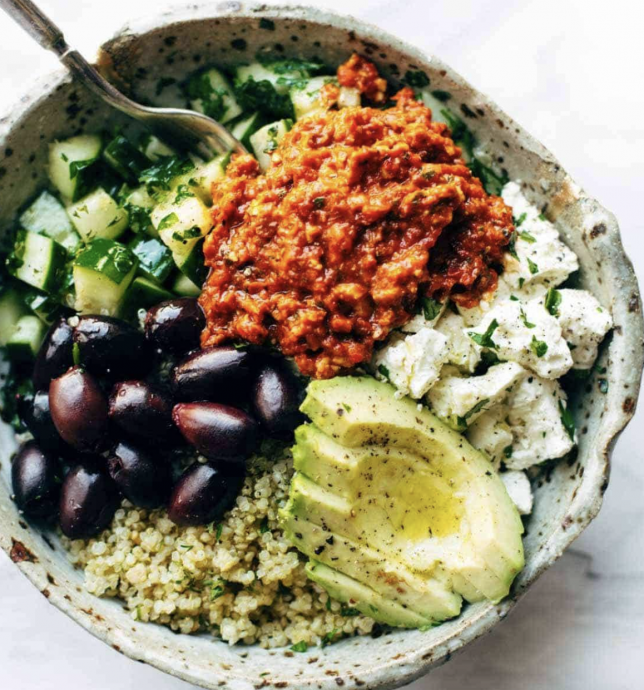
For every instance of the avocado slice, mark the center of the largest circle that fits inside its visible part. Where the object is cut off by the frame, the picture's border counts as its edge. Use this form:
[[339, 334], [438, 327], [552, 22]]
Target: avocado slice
[[393, 499]]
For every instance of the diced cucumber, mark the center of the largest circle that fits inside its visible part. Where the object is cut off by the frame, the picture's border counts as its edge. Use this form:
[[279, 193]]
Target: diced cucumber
[[282, 74], [47, 216], [435, 105], [12, 308], [98, 215], [126, 159], [191, 262], [73, 165], [244, 128], [26, 339], [267, 139], [102, 274], [142, 294], [138, 204], [153, 148], [45, 307], [37, 260], [305, 96], [155, 259], [200, 180], [210, 93], [184, 287]]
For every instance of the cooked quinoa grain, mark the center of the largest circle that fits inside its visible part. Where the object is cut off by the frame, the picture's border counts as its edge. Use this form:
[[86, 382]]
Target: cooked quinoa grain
[[239, 579]]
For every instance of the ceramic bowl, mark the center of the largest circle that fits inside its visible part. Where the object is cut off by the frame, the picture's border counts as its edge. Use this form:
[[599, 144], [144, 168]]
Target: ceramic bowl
[[568, 496]]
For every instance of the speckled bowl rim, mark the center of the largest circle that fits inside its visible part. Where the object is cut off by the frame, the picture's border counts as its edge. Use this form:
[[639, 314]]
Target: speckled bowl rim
[[586, 503]]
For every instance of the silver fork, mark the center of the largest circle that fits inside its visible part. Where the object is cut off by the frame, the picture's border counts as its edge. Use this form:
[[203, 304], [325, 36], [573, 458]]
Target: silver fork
[[184, 129]]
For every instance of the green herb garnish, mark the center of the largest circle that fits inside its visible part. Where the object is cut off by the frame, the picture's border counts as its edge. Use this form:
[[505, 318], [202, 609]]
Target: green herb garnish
[[431, 308], [485, 339], [553, 301], [539, 347], [567, 420], [299, 647]]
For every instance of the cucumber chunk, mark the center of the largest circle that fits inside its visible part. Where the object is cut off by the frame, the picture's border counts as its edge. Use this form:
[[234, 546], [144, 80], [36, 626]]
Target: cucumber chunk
[[267, 139], [305, 97], [102, 273], [210, 93], [98, 216], [155, 259], [126, 159], [37, 260], [142, 294], [12, 308], [73, 165], [138, 204], [154, 149], [26, 339], [243, 130], [192, 264], [184, 287], [45, 307], [47, 216], [200, 180]]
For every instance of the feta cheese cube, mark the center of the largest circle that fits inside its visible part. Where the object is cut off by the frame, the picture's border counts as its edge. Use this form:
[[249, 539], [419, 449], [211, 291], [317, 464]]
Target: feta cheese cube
[[527, 334], [535, 410], [491, 434], [459, 401], [584, 323], [519, 490], [540, 256], [413, 363], [431, 311], [464, 353]]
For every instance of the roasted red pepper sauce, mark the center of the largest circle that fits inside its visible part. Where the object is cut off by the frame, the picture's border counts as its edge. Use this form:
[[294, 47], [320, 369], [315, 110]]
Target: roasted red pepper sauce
[[360, 212]]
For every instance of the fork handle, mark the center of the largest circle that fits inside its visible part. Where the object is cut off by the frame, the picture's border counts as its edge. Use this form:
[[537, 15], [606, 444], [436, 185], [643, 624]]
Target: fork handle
[[37, 24]]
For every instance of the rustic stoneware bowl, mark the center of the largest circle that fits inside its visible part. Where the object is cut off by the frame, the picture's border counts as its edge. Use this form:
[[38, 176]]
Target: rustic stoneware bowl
[[567, 497]]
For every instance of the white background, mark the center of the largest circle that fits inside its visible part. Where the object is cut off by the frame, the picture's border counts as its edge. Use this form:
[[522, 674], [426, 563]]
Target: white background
[[571, 72]]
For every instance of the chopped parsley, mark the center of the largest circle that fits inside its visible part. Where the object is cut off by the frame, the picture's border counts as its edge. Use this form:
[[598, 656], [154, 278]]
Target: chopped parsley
[[524, 318], [263, 526], [431, 308], [567, 420], [507, 451], [213, 98], [485, 339], [300, 647], [76, 358], [183, 193], [518, 221], [164, 171], [462, 421], [382, 369], [168, 221], [532, 266], [539, 347], [553, 301], [527, 237], [329, 638], [349, 611], [346, 407], [319, 202]]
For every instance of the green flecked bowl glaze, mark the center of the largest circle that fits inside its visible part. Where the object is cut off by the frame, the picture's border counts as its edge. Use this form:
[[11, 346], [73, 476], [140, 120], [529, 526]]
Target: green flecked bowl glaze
[[175, 43]]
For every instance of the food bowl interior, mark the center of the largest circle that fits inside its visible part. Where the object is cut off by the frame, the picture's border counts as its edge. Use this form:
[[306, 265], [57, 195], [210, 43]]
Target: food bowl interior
[[568, 494]]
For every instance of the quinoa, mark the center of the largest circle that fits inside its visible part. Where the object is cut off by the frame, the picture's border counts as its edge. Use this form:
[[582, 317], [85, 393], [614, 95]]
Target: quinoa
[[239, 579]]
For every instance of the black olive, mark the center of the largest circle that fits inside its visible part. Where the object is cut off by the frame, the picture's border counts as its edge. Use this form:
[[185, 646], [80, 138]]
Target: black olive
[[142, 479], [88, 500], [142, 412], [217, 431], [277, 396], [204, 493], [55, 354], [79, 410], [35, 413], [35, 481], [175, 325], [110, 347], [218, 374]]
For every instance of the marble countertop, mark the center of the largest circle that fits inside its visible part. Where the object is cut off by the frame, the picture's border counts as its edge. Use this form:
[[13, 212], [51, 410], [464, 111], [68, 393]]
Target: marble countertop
[[571, 72]]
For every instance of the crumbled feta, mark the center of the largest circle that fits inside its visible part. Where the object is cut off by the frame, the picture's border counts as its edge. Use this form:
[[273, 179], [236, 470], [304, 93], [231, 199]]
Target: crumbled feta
[[459, 400], [413, 363], [535, 410], [464, 353], [491, 434], [429, 307], [519, 490], [584, 323], [524, 332], [540, 256]]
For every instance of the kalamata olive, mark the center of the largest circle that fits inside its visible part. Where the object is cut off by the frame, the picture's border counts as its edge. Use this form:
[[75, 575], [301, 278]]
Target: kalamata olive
[[141, 411], [88, 500], [79, 409], [277, 395], [214, 373], [35, 481], [217, 431], [110, 347], [55, 354], [175, 325], [35, 413], [143, 479], [204, 493]]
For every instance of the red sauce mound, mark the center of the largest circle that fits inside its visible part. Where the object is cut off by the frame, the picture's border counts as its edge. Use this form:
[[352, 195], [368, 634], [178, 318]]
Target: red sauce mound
[[360, 212]]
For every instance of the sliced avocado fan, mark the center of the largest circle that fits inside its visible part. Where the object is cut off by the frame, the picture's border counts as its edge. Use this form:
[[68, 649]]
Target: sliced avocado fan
[[400, 516]]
